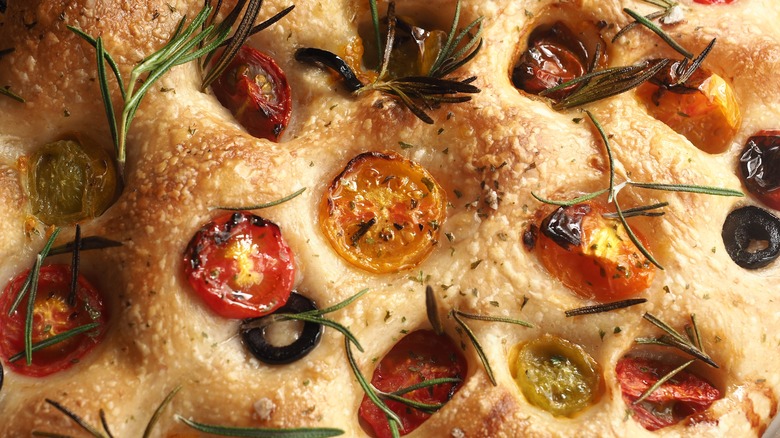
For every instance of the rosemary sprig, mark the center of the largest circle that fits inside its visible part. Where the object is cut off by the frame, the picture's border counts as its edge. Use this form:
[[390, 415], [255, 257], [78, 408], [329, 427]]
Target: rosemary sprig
[[613, 191], [76, 419], [661, 381], [157, 412], [36, 268], [606, 307], [674, 339], [457, 314], [6, 91], [74, 267], [86, 244], [432, 310], [48, 342], [417, 93], [261, 432], [657, 30], [371, 393], [265, 205], [667, 7]]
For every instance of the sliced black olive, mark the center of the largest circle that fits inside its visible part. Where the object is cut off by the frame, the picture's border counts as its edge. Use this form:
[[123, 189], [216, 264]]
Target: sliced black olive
[[752, 237], [253, 334]]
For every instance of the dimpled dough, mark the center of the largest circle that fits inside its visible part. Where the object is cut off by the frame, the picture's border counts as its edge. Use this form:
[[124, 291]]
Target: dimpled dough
[[186, 154]]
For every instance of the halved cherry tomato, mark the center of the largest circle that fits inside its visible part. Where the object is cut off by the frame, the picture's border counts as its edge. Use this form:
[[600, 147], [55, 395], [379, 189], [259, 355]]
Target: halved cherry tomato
[[383, 213], [420, 356], [593, 255], [51, 316], [554, 55], [682, 396], [704, 109], [255, 90], [240, 265], [70, 180], [556, 375], [759, 165]]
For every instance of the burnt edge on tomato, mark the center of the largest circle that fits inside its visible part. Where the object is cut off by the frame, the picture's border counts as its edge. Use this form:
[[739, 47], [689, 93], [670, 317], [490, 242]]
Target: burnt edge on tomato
[[684, 395], [564, 225], [747, 226], [759, 165], [252, 333]]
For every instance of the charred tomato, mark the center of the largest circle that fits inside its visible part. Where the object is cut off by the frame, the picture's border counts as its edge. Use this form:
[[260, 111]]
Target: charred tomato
[[555, 54], [421, 355], [684, 395], [759, 167], [556, 375], [51, 316], [591, 254], [70, 180], [240, 266], [383, 213], [255, 90], [704, 108]]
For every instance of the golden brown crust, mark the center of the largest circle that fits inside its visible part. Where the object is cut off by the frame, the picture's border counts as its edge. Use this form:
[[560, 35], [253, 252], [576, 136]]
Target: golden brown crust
[[186, 154]]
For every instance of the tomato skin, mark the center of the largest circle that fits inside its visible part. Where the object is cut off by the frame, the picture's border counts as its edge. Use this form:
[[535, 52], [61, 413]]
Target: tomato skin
[[70, 180], [684, 395], [51, 316], [704, 109], [602, 264], [240, 266], [419, 356], [759, 167], [556, 375], [383, 213], [255, 90]]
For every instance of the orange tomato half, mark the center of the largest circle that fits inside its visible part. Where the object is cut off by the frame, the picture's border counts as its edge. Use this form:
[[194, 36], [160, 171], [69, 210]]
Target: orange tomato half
[[593, 255], [383, 212]]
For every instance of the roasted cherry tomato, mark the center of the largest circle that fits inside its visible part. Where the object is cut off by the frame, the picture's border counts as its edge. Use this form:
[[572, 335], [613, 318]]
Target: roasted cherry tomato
[[420, 356], [240, 265], [683, 395], [554, 55], [255, 90], [593, 255], [51, 316], [759, 166], [383, 212], [704, 108], [556, 375], [70, 180]]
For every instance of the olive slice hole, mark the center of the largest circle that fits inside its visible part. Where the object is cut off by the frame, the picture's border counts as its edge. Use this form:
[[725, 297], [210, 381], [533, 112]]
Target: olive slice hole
[[276, 340]]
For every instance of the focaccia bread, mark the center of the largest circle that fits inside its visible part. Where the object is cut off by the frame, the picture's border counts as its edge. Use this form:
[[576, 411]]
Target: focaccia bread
[[487, 163]]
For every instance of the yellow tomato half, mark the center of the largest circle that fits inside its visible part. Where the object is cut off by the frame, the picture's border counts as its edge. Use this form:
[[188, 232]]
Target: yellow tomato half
[[383, 213]]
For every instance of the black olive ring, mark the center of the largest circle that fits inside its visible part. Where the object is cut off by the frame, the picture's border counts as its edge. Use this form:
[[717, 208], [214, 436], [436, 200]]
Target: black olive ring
[[746, 225], [253, 334]]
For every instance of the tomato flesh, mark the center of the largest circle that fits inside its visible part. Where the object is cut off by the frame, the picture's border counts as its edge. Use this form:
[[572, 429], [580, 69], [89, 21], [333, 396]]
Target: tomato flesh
[[556, 375], [422, 355], [70, 180], [759, 166], [255, 90], [713, 2], [51, 316], [684, 395], [593, 255], [704, 109], [383, 213], [240, 266]]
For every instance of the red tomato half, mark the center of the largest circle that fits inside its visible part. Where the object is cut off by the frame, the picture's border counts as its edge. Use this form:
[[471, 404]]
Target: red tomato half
[[51, 316], [420, 356], [240, 265], [684, 395], [593, 255], [255, 90]]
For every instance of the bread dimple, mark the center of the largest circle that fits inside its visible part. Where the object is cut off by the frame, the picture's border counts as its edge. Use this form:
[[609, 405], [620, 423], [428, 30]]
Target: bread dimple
[[187, 156]]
